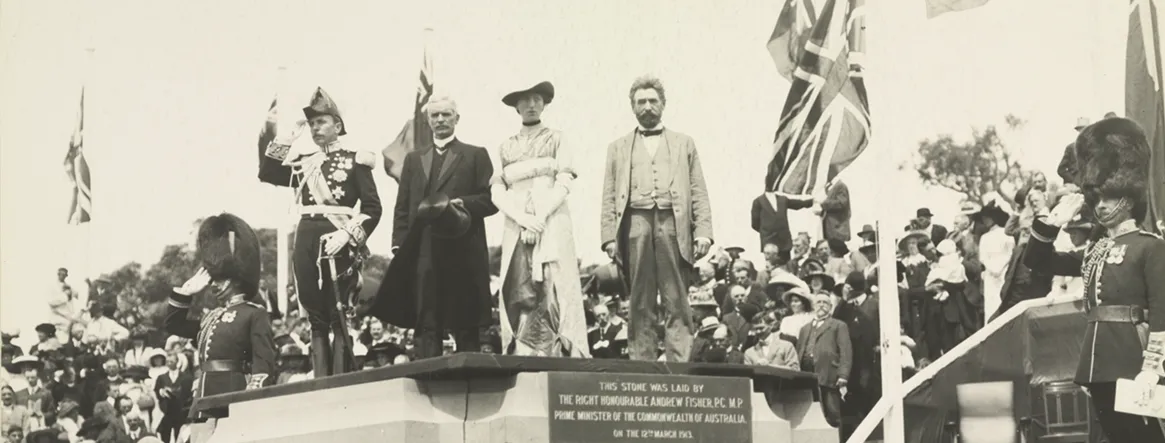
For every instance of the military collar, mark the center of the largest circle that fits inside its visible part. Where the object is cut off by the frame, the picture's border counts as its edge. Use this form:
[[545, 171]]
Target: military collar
[[333, 147], [1124, 228]]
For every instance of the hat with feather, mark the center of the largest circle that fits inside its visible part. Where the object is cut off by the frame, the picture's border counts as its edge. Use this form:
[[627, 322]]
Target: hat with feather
[[1112, 160], [228, 249], [322, 104]]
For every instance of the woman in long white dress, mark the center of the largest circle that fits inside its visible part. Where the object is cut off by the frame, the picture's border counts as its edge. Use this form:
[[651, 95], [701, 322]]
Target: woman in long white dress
[[541, 306]]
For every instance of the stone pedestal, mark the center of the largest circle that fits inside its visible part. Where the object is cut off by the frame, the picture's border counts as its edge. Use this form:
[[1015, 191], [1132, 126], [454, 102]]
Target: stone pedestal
[[477, 398]]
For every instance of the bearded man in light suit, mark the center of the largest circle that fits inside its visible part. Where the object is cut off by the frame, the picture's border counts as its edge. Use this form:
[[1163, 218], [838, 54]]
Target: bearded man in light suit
[[656, 221]]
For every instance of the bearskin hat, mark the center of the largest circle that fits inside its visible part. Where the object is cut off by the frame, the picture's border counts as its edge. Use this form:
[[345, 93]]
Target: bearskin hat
[[1112, 159], [228, 248]]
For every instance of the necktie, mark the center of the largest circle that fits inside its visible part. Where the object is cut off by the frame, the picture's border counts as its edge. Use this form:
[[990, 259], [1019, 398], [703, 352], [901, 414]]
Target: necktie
[[651, 133]]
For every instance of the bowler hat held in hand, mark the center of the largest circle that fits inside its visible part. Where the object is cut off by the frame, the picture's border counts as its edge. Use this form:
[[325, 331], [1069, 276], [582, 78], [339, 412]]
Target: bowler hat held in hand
[[446, 218]]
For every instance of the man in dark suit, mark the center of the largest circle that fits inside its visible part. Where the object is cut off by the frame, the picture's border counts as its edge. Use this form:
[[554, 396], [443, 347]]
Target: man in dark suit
[[607, 339], [770, 218], [442, 281], [174, 391], [859, 311], [937, 232], [824, 348], [835, 212]]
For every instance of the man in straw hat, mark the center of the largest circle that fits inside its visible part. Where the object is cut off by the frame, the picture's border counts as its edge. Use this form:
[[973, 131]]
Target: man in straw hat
[[236, 346], [439, 279], [541, 310], [1124, 276], [331, 234], [825, 349], [657, 220]]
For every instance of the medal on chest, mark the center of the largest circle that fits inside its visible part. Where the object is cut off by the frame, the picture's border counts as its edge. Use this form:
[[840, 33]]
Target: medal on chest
[[336, 171], [1116, 255]]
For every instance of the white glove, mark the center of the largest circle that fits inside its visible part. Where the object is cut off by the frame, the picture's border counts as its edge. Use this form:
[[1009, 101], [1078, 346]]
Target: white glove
[[1065, 210], [286, 138], [336, 241], [529, 237], [530, 222], [195, 284]]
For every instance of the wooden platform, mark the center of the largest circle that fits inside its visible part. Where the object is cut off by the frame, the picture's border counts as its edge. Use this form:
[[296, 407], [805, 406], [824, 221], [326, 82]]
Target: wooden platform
[[484, 366]]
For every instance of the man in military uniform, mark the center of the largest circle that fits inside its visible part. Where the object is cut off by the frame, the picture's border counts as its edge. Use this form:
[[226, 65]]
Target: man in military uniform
[[330, 238], [235, 344], [1123, 271]]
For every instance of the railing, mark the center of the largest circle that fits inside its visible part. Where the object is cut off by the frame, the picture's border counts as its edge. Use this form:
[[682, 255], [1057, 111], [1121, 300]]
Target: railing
[[863, 431]]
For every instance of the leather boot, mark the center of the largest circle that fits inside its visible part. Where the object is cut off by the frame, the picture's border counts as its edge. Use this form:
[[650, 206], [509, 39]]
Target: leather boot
[[343, 360], [321, 355]]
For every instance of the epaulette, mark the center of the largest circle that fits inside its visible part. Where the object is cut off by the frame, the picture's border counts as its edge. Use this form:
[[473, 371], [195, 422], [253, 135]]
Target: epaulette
[[257, 305], [1151, 234], [366, 158]]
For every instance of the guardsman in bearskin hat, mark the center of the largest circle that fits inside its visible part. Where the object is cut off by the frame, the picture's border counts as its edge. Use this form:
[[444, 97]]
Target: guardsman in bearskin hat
[[330, 238], [1123, 270], [235, 343]]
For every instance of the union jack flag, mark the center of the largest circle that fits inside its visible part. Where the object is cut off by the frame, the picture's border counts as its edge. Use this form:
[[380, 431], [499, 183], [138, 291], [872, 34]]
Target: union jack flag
[[790, 34], [1145, 96], [825, 123], [77, 169], [416, 131]]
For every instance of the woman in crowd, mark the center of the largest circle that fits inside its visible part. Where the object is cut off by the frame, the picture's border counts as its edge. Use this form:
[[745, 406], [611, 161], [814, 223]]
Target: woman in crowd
[[801, 313], [945, 282]]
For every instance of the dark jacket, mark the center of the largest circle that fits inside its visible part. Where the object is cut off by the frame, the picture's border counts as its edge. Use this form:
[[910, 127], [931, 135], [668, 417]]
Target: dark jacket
[[835, 213], [458, 268], [772, 222]]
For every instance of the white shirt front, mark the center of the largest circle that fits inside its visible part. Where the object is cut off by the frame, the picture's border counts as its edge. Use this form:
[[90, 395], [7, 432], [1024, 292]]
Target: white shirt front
[[651, 143], [441, 143]]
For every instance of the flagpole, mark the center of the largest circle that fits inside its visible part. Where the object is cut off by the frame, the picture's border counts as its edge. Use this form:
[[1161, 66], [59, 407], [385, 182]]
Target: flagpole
[[86, 230], [282, 230]]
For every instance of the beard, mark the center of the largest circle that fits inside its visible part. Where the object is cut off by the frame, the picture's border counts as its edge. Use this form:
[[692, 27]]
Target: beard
[[648, 118]]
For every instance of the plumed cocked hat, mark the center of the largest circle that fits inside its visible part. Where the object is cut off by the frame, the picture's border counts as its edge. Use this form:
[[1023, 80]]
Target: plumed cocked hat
[[228, 248], [322, 104]]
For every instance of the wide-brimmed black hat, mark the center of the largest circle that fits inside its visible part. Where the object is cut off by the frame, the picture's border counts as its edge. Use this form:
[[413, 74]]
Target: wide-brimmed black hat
[[445, 218], [135, 373], [322, 104], [992, 211], [828, 282], [47, 329], [545, 89]]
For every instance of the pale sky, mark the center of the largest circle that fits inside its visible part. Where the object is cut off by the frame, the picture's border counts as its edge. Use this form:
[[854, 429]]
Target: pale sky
[[177, 92]]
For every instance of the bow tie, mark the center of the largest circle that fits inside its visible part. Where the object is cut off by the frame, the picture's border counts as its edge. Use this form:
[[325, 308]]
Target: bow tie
[[651, 133]]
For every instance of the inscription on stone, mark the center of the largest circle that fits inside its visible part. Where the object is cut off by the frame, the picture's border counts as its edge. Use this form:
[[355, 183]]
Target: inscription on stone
[[603, 408]]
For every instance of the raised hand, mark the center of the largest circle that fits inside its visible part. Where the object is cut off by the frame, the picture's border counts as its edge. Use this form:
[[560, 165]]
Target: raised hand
[[195, 284], [1066, 209]]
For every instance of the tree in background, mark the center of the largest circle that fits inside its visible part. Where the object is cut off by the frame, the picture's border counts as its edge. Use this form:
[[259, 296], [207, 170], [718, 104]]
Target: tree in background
[[975, 169]]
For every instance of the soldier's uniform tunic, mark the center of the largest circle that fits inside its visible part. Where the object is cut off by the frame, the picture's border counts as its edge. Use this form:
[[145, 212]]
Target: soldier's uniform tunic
[[348, 176], [235, 345], [1124, 289]]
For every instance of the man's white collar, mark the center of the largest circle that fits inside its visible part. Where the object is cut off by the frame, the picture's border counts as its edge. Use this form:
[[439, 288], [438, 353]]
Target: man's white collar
[[441, 143]]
